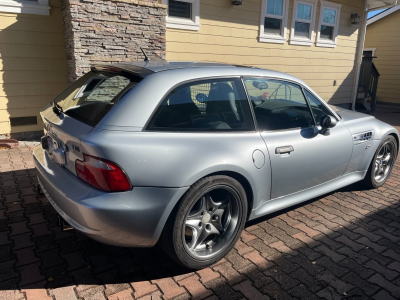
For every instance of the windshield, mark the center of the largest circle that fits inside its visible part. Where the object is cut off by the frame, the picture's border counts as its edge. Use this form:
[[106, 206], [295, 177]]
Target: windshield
[[91, 97]]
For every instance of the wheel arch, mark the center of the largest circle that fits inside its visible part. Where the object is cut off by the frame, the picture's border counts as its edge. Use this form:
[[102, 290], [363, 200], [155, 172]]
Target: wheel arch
[[245, 184], [237, 176], [397, 139]]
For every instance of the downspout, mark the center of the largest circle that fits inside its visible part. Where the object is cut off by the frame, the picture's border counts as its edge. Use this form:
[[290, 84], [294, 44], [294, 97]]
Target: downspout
[[360, 48]]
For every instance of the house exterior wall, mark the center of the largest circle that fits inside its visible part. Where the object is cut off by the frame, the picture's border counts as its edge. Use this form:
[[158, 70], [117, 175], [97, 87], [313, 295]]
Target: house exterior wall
[[384, 35], [229, 34], [33, 65], [109, 31], [40, 55]]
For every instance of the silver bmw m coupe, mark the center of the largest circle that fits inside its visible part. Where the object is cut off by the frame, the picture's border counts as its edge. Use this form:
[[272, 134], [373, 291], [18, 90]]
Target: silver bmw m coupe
[[183, 154]]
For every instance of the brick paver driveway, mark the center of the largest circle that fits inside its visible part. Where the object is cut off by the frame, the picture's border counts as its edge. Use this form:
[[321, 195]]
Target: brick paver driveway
[[344, 245]]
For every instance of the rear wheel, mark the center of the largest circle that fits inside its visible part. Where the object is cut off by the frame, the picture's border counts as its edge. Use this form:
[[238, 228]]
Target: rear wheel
[[207, 222], [382, 163]]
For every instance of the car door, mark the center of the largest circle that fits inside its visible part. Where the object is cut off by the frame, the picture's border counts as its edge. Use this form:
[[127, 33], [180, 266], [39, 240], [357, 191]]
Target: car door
[[300, 156]]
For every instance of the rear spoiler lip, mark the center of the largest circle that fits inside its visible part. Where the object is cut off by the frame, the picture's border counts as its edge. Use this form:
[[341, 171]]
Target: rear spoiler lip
[[135, 71]]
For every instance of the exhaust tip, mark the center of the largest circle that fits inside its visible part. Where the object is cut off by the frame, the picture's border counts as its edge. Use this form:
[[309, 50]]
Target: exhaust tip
[[39, 190], [63, 224]]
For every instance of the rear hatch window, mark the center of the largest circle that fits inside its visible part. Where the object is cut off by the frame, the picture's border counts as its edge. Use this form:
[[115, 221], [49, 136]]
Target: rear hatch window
[[91, 97]]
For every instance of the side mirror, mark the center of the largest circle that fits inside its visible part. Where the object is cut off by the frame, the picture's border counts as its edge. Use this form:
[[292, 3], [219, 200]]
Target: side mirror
[[326, 123], [201, 97]]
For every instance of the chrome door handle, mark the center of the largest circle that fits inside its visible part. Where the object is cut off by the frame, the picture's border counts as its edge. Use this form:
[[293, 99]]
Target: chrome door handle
[[284, 149]]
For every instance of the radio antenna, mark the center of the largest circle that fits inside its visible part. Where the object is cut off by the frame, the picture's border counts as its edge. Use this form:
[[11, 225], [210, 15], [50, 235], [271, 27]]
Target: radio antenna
[[146, 58]]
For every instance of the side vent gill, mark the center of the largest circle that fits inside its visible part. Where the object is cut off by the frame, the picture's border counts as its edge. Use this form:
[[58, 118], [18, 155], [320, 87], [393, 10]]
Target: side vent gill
[[363, 137]]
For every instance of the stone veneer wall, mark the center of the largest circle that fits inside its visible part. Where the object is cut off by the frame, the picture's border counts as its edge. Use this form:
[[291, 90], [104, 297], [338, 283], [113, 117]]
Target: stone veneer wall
[[109, 31]]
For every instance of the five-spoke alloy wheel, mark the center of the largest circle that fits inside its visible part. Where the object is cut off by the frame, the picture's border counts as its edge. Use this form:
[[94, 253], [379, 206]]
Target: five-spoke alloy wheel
[[211, 222], [207, 222], [382, 163]]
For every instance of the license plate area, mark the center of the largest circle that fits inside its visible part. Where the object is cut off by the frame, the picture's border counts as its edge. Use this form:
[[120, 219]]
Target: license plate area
[[53, 144], [55, 150]]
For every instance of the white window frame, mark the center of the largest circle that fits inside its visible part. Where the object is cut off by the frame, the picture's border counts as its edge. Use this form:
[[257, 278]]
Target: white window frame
[[187, 24], [39, 7], [270, 38], [323, 42], [373, 50], [296, 40]]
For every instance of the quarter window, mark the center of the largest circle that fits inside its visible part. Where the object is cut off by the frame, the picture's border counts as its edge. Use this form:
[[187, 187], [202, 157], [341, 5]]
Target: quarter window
[[278, 104], [210, 105], [317, 107], [273, 21], [303, 22], [328, 24], [183, 14]]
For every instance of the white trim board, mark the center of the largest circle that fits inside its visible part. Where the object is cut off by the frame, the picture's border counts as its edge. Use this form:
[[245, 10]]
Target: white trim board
[[39, 7], [383, 14]]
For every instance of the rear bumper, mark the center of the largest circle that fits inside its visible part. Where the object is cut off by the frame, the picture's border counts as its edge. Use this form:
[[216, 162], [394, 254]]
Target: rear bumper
[[131, 219]]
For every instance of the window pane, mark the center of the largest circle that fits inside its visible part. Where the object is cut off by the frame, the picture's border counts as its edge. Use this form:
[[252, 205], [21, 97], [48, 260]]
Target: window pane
[[278, 104], [179, 9], [304, 11], [317, 107], [326, 32], [367, 53], [108, 89], [272, 26], [275, 7], [91, 97], [329, 16], [212, 105], [301, 29]]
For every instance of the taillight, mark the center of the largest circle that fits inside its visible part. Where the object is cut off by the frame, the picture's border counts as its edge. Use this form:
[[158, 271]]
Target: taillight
[[102, 174]]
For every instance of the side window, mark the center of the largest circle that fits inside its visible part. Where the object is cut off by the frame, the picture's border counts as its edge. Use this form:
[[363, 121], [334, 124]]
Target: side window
[[209, 105], [278, 104], [317, 107]]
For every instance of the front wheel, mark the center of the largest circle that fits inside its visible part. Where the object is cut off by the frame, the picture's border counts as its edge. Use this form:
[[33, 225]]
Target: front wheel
[[382, 163], [206, 223]]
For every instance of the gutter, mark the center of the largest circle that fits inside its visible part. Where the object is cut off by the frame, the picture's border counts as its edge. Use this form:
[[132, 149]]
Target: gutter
[[360, 48]]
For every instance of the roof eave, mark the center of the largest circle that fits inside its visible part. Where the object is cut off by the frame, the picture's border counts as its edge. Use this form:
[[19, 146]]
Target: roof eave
[[380, 4], [383, 14]]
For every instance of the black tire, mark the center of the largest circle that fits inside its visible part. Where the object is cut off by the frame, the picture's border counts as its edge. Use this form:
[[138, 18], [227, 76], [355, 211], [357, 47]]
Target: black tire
[[370, 181], [172, 240]]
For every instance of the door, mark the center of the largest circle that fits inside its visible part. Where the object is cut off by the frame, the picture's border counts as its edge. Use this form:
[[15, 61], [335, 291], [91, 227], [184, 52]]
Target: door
[[300, 156]]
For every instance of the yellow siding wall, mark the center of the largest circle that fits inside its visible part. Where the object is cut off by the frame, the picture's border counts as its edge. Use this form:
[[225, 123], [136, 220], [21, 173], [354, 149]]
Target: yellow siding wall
[[384, 34], [33, 65], [229, 34]]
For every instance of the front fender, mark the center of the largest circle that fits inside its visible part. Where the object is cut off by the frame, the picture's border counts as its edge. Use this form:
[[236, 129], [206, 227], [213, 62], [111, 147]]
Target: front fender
[[363, 153]]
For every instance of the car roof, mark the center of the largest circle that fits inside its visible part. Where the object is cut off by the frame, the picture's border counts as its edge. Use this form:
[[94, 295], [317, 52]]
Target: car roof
[[144, 69], [161, 65], [160, 76]]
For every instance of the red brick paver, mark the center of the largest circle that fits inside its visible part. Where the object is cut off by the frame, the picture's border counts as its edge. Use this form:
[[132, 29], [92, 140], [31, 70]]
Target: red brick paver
[[143, 288], [340, 246], [195, 288]]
